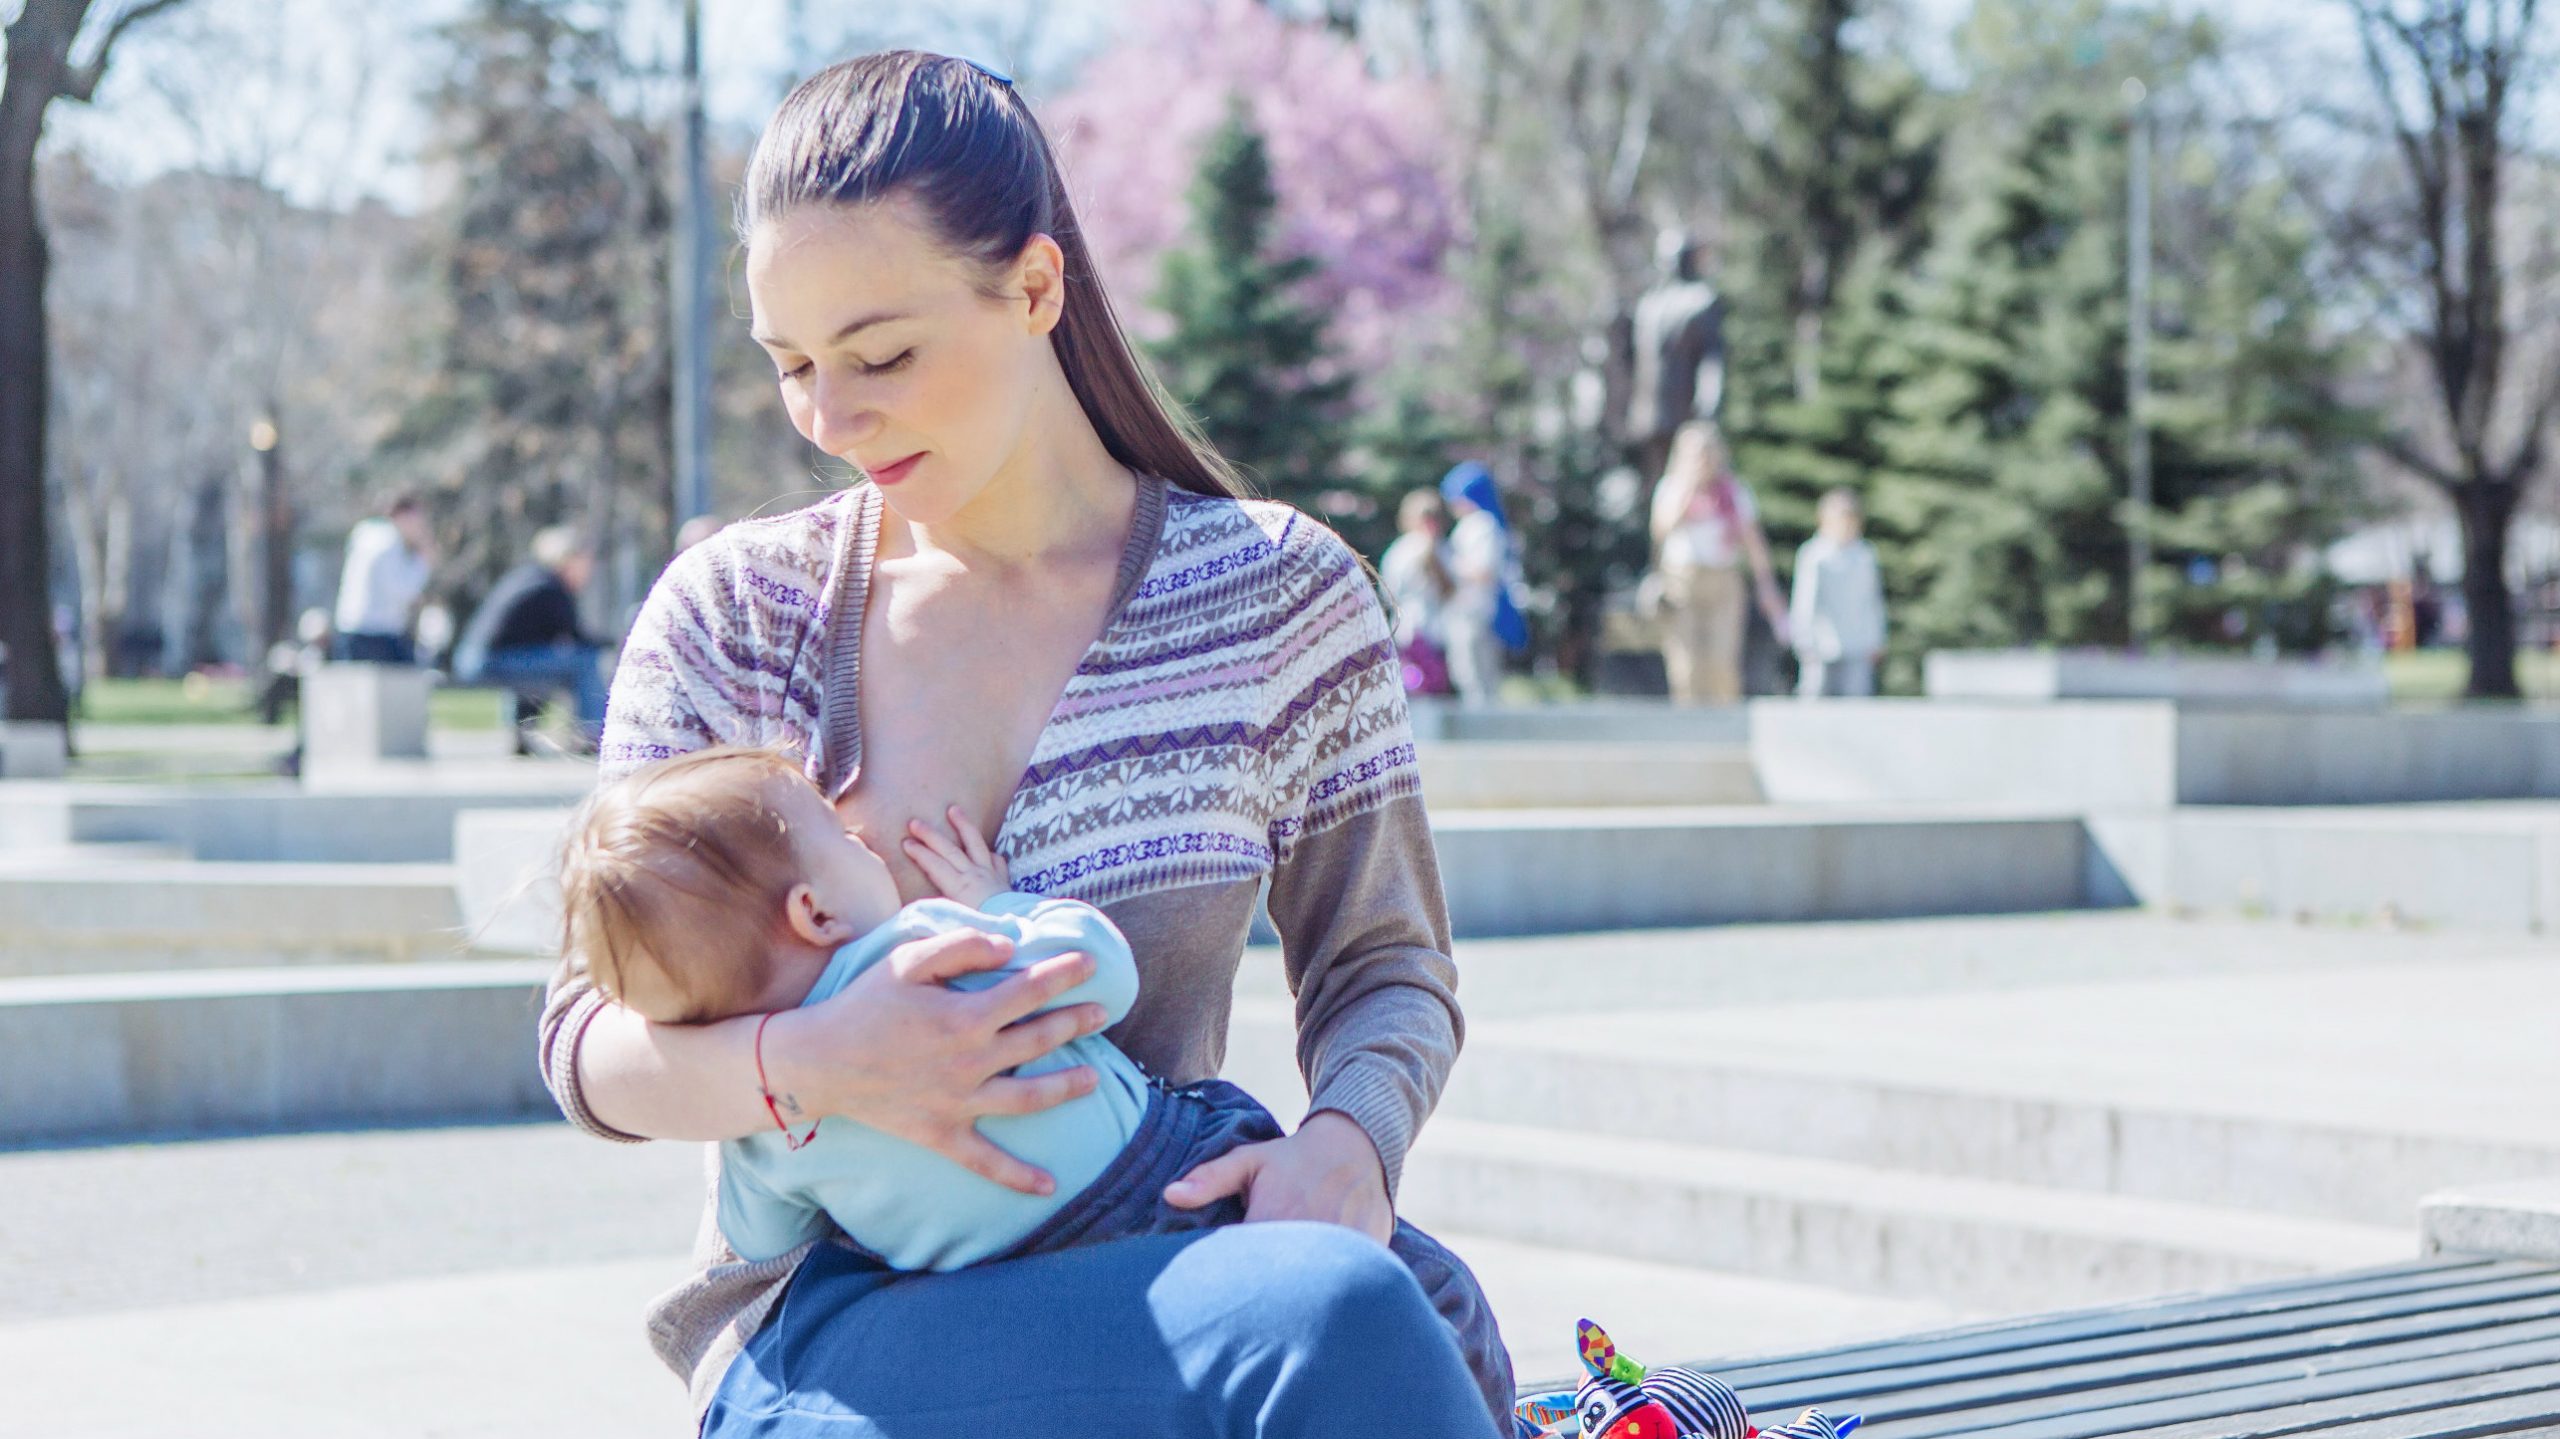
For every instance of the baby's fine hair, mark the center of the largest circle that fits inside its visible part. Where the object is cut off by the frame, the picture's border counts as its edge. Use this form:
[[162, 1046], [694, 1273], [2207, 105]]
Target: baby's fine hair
[[683, 866]]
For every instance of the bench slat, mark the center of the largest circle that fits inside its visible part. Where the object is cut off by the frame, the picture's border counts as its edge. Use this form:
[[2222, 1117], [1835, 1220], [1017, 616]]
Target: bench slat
[[2295, 1419], [2254, 1390], [2536, 1414], [2438, 1276], [2097, 1363]]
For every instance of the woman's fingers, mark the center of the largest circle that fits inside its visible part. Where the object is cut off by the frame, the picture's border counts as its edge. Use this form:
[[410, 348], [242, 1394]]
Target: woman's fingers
[[1011, 1094], [1019, 1044], [1229, 1173], [1035, 988], [979, 1155], [947, 956]]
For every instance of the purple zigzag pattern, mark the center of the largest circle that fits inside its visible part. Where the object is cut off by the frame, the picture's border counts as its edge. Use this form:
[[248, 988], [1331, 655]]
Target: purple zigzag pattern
[[789, 596], [1217, 640], [1237, 733], [1361, 773], [1118, 856], [1261, 549]]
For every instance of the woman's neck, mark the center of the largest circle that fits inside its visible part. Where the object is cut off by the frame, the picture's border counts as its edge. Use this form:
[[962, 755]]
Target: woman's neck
[[1059, 497]]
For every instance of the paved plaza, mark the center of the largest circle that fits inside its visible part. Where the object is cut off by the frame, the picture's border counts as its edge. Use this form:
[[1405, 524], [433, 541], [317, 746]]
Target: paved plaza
[[488, 1280]]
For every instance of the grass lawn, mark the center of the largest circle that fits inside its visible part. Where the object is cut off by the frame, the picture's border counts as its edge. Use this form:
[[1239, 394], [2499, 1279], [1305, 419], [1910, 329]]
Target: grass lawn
[[201, 699], [2436, 675]]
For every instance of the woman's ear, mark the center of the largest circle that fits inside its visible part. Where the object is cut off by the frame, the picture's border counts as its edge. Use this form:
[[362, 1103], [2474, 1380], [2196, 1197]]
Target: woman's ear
[[1041, 275], [810, 921]]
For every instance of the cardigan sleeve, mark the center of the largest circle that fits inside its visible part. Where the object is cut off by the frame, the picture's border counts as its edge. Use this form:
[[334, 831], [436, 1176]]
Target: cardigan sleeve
[[664, 703], [1355, 885]]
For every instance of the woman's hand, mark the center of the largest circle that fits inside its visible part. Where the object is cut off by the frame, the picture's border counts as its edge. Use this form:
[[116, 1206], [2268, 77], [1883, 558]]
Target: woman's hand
[[907, 1055], [1328, 1171]]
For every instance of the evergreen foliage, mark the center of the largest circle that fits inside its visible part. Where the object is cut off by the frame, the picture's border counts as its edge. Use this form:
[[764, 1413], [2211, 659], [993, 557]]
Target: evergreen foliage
[[1247, 354]]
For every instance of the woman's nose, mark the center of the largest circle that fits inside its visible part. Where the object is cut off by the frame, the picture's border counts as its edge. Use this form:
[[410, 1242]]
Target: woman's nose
[[839, 420]]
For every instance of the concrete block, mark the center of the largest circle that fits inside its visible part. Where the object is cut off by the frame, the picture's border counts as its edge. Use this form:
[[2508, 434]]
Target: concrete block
[[362, 714], [1969, 1242], [252, 1049], [93, 912], [1619, 721], [1560, 871], [2478, 867], [33, 751], [506, 878], [2519, 1219], [2226, 757], [2065, 756], [2100, 674], [1498, 774]]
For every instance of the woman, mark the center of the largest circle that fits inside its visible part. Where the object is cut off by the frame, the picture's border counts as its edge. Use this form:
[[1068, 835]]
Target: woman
[[1415, 574], [1048, 606], [1704, 521], [1481, 620]]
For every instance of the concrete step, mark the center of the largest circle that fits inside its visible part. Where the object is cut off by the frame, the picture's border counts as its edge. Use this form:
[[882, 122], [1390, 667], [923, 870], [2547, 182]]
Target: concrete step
[[214, 1050], [1494, 774], [1550, 871], [364, 817], [103, 910], [1606, 1080], [1584, 721], [2485, 865], [1971, 1243]]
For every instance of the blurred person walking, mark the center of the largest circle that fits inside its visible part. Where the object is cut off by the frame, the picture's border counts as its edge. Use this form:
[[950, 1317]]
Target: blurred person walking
[[1705, 522], [526, 636], [390, 558], [1482, 618], [1415, 573], [1836, 614]]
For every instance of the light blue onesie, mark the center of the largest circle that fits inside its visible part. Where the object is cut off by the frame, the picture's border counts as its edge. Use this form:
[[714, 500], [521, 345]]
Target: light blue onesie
[[904, 1202]]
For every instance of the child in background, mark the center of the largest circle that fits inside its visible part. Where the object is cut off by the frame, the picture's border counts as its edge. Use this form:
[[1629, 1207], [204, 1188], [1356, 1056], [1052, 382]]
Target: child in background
[[722, 883], [1836, 615]]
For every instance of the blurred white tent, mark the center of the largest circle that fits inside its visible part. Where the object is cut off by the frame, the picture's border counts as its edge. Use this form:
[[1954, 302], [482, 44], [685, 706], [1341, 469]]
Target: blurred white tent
[[2392, 549]]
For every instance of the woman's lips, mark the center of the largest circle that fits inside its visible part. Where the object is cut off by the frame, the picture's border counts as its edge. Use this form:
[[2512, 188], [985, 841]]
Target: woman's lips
[[891, 474]]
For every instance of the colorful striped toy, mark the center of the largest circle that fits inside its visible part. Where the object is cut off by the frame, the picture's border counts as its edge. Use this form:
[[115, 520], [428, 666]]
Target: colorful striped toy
[[1624, 1400]]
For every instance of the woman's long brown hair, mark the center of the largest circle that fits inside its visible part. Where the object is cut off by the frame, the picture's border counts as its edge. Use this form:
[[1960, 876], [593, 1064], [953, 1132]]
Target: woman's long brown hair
[[957, 140]]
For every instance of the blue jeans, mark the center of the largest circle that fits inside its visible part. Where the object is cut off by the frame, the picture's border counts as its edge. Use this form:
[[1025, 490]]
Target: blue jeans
[[1198, 1326], [568, 667], [362, 648]]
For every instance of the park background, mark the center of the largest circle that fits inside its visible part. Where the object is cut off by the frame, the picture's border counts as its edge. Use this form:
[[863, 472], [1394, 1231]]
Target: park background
[[304, 255], [2220, 1002]]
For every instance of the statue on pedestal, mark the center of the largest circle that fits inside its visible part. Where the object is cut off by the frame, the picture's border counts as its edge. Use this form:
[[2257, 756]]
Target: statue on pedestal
[[1679, 354]]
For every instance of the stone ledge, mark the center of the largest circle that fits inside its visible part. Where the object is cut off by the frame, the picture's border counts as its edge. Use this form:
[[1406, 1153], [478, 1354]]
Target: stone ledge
[[2519, 1219]]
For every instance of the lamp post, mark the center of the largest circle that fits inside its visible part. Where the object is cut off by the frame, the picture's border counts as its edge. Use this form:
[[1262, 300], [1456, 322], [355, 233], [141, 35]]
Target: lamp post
[[2137, 367], [692, 297]]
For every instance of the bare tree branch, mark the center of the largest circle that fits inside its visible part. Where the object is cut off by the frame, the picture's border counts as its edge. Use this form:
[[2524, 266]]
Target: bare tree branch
[[80, 82]]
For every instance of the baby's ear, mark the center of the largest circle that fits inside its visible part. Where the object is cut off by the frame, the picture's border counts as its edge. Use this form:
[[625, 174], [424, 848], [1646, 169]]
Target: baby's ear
[[813, 924]]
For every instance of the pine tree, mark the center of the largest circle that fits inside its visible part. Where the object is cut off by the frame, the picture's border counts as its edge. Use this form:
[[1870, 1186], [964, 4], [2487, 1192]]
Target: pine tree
[[550, 402], [1246, 354]]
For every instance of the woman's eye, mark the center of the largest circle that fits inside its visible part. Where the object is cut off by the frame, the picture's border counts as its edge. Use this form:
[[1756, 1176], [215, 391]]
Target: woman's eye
[[797, 372], [887, 367]]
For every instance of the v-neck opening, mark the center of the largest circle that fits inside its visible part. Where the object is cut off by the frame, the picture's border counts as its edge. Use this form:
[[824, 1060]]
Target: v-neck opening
[[860, 553]]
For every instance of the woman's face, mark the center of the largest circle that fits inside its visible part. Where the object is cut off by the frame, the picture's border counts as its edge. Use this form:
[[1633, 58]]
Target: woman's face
[[891, 357]]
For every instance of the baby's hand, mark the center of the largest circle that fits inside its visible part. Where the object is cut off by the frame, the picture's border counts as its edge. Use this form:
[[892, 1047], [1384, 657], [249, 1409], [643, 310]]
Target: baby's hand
[[959, 863]]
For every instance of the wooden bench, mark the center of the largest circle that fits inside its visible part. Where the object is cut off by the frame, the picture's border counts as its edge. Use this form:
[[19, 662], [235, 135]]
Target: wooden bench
[[2436, 1348]]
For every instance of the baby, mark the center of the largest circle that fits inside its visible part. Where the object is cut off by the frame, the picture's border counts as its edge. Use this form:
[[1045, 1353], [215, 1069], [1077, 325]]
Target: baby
[[722, 883]]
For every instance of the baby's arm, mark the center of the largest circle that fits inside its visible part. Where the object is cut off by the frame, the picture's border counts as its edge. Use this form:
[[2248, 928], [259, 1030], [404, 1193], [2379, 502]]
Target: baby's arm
[[759, 1223], [1052, 927]]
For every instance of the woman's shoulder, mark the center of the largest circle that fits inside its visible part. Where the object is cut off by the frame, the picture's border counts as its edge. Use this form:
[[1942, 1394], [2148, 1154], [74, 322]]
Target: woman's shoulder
[[1255, 530], [780, 560]]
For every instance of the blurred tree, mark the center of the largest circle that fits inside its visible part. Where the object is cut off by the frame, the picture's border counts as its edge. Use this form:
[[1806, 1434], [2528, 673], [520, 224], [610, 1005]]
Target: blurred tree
[[550, 404], [2456, 84], [39, 69], [1359, 163], [1247, 354], [2000, 497]]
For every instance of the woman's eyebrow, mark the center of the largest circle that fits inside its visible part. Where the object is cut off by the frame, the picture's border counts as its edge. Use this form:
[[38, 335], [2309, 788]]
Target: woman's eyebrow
[[847, 333]]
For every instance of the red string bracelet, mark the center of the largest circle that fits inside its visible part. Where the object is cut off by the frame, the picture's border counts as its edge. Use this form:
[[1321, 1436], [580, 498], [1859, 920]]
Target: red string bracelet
[[794, 1141]]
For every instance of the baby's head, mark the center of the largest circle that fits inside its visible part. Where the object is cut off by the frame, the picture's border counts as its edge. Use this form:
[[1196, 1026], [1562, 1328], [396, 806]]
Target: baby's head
[[715, 884]]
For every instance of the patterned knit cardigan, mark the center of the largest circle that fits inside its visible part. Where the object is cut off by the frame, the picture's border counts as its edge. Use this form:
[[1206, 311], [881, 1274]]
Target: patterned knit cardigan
[[1239, 724]]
